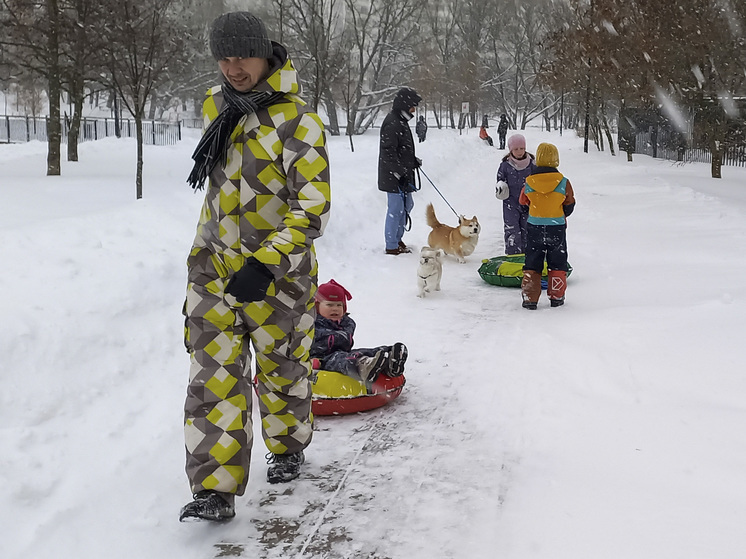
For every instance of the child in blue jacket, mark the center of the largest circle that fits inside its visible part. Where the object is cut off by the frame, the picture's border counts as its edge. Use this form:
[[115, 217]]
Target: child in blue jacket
[[511, 176]]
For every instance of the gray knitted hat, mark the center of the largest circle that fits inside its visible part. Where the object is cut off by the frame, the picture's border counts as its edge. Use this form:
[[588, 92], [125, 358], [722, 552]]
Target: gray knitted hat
[[239, 34]]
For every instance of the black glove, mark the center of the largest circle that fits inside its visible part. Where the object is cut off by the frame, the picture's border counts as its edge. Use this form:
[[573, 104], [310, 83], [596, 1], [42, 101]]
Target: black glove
[[417, 162], [250, 283]]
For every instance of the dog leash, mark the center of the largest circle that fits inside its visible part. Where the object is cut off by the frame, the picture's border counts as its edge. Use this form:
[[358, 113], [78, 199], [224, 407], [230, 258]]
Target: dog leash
[[415, 188], [439, 192]]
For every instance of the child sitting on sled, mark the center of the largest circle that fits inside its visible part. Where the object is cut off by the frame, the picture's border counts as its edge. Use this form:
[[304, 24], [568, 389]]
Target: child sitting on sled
[[332, 343]]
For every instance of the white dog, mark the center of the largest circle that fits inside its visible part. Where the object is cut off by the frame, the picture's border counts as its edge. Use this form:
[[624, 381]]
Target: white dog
[[430, 270]]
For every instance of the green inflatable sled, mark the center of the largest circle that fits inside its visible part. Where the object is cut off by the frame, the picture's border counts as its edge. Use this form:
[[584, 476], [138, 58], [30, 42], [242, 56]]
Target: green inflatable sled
[[507, 270]]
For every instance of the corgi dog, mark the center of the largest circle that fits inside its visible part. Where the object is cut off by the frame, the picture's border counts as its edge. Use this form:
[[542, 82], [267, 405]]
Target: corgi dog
[[429, 271], [457, 241]]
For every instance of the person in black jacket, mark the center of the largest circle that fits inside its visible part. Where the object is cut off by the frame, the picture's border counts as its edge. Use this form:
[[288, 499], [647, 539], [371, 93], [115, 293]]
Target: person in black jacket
[[421, 129], [502, 130], [396, 165]]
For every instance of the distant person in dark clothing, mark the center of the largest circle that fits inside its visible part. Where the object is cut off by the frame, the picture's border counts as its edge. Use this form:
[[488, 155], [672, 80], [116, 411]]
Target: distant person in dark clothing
[[421, 129], [502, 130], [396, 167]]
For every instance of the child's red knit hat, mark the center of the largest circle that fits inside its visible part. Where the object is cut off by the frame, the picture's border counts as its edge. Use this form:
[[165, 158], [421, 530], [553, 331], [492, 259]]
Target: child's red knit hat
[[332, 291]]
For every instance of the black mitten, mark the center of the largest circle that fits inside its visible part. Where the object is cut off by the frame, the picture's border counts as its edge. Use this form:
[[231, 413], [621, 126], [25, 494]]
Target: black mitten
[[250, 283]]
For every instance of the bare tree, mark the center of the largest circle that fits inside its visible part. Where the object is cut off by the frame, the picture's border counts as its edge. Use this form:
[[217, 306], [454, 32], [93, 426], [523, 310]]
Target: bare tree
[[142, 40], [685, 55], [38, 40], [313, 30], [381, 36]]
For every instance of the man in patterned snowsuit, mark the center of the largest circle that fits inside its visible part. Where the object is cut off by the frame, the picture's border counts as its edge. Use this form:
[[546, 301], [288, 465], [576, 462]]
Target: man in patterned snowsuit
[[252, 272]]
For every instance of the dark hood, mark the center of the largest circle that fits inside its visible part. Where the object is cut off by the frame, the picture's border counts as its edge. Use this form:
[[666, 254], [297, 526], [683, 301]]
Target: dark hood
[[405, 99]]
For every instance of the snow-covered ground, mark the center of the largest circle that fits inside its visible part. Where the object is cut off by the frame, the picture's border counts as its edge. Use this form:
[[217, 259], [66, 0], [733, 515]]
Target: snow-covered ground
[[611, 427]]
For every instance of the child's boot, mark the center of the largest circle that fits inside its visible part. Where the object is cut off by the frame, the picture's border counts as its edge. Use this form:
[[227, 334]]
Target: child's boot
[[396, 358], [556, 285], [530, 289]]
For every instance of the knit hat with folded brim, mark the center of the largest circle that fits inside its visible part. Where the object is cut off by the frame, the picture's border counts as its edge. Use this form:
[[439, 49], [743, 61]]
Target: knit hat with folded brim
[[547, 156], [333, 291], [516, 141], [240, 34]]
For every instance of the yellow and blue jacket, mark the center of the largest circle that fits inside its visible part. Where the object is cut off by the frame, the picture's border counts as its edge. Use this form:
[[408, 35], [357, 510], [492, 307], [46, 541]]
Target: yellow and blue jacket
[[549, 197]]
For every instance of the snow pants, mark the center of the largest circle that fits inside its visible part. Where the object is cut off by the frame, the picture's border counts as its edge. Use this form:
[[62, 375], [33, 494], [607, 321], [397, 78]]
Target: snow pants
[[545, 242], [218, 332], [514, 225], [345, 362]]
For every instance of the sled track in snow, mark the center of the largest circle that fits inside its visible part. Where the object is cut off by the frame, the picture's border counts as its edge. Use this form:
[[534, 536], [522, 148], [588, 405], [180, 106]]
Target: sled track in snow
[[395, 461], [282, 536]]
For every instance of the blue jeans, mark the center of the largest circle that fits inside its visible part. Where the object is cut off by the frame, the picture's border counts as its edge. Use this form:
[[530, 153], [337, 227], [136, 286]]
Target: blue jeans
[[396, 217]]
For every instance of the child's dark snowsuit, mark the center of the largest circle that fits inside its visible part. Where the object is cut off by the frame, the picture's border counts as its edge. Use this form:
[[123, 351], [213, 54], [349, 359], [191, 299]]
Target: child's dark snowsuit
[[332, 345]]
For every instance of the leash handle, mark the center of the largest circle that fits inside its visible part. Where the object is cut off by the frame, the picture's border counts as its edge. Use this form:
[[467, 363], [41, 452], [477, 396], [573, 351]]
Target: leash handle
[[438, 191]]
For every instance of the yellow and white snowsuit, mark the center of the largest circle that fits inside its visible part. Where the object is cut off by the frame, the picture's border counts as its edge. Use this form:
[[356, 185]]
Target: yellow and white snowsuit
[[270, 201]]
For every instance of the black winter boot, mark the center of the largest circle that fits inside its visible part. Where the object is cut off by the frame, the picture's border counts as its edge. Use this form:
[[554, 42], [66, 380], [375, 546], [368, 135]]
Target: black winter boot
[[396, 359], [208, 505], [285, 467]]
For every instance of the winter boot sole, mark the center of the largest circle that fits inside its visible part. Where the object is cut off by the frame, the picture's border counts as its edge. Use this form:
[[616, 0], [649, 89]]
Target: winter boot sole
[[397, 358]]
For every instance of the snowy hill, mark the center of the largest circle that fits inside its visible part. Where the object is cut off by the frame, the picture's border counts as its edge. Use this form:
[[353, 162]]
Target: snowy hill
[[610, 427]]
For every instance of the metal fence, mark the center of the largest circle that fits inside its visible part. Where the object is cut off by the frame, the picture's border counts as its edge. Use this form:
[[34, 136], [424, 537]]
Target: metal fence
[[24, 129], [658, 146]]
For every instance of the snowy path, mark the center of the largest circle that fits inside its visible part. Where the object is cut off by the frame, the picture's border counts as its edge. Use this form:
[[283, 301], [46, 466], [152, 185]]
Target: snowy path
[[610, 427]]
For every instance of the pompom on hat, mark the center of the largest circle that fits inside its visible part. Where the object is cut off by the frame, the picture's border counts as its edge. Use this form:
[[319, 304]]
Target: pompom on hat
[[547, 156], [333, 291], [516, 141], [239, 34]]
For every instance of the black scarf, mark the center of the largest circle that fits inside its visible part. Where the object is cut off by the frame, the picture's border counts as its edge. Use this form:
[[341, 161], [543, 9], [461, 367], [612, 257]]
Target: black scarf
[[213, 147]]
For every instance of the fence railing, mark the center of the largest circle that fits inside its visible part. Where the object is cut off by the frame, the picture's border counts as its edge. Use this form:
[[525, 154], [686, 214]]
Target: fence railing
[[733, 155], [24, 129]]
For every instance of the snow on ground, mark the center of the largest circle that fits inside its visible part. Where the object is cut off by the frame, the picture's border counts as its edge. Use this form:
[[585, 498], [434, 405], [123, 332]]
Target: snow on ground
[[610, 427]]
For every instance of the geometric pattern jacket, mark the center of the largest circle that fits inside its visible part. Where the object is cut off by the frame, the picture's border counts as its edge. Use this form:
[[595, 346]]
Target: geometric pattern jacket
[[272, 199]]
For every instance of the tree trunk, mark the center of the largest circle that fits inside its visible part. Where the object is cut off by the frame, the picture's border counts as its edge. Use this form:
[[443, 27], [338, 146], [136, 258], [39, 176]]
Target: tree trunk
[[331, 111], [117, 116], [138, 128], [54, 127], [73, 134], [437, 119], [153, 105], [608, 135], [717, 160]]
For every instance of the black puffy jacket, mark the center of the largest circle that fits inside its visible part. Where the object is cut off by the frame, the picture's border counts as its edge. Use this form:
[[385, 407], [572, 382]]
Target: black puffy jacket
[[396, 154]]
